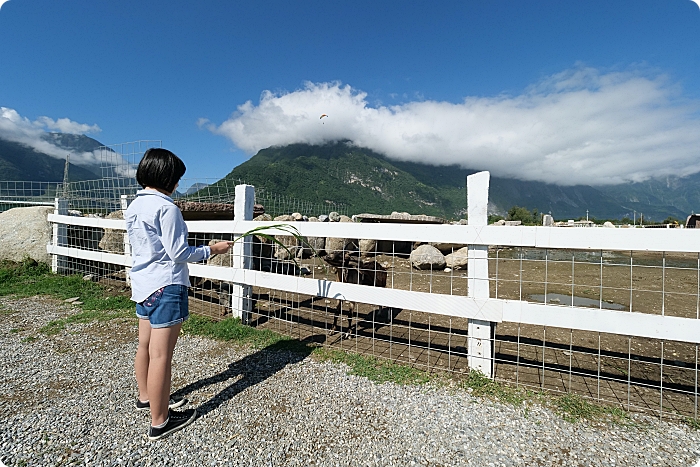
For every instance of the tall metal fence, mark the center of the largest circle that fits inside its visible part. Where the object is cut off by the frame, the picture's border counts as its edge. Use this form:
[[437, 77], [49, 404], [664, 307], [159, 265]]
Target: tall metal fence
[[16, 194], [610, 314]]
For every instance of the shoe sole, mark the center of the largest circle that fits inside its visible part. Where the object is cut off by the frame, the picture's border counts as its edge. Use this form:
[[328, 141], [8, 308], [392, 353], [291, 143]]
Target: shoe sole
[[174, 405], [173, 430]]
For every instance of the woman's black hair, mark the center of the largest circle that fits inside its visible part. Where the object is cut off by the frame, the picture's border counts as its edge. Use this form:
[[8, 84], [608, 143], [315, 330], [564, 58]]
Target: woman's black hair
[[160, 168]]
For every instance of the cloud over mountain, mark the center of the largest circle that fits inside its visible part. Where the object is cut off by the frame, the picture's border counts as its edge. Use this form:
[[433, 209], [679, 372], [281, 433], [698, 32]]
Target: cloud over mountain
[[14, 127], [580, 126]]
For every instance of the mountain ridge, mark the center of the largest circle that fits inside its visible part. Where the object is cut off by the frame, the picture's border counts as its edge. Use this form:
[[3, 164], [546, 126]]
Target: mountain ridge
[[370, 182]]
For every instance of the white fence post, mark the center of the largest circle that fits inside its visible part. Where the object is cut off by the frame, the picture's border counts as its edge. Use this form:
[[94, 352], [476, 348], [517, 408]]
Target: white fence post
[[60, 235], [241, 295], [127, 246], [480, 333]]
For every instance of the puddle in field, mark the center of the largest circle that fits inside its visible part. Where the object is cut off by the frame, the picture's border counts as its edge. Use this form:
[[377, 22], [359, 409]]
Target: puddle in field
[[561, 299]]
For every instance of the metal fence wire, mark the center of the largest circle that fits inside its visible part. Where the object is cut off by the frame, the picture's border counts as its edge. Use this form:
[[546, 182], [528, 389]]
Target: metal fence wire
[[399, 296]]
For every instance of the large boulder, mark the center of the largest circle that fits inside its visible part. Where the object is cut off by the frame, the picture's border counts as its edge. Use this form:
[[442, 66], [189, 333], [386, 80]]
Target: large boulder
[[368, 246], [313, 244], [427, 257], [113, 240], [447, 248], [25, 232], [457, 259], [336, 245]]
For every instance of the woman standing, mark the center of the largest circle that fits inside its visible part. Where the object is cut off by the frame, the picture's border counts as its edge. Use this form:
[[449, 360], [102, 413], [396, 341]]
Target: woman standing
[[159, 283]]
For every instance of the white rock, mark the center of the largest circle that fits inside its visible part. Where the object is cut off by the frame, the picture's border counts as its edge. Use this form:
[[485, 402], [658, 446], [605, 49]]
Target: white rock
[[25, 232]]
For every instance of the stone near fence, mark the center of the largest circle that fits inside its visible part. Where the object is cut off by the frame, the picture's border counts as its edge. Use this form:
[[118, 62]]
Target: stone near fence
[[262, 247], [258, 210], [427, 257], [323, 218], [335, 245], [317, 244], [447, 248], [25, 232], [291, 243], [296, 216], [457, 259], [219, 260], [113, 240], [368, 246], [334, 217]]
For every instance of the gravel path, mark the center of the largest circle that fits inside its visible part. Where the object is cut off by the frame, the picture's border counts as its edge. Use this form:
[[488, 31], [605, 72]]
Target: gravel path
[[68, 400]]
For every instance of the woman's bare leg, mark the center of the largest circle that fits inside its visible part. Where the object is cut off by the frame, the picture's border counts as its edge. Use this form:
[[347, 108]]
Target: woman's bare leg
[[160, 350], [142, 359]]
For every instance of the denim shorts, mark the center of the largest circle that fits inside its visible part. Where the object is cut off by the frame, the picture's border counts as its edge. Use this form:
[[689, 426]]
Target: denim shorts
[[165, 307]]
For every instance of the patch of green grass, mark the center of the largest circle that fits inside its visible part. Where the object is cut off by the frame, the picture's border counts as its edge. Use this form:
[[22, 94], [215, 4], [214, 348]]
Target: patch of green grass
[[233, 330], [58, 325], [374, 368], [29, 339], [482, 386], [693, 423], [574, 408], [29, 278]]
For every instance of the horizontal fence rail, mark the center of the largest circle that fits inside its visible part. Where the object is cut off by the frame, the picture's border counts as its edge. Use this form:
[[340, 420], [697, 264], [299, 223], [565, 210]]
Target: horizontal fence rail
[[610, 314]]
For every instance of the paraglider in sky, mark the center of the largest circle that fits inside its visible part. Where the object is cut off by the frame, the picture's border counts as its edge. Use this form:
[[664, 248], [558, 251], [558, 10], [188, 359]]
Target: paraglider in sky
[[323, 115]]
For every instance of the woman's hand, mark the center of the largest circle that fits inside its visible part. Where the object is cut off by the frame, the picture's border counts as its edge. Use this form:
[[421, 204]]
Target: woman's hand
[[220, 248]]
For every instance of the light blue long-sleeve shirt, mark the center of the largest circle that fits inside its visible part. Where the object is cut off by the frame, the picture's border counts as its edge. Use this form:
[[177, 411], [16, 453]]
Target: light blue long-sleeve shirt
[[159, 248]]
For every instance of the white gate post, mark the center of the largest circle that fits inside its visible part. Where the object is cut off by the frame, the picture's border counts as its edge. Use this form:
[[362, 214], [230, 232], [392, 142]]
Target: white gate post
[[60, 235], [127, 246], [480, 333], [241, 295]]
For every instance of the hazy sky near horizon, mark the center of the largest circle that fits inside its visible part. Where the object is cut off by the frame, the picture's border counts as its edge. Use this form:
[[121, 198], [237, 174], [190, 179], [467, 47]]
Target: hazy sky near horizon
[[590, 92]]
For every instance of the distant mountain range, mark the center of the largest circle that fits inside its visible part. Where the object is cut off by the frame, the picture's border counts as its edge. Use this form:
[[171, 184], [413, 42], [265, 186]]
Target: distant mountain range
[[369, 182], [22, 163]]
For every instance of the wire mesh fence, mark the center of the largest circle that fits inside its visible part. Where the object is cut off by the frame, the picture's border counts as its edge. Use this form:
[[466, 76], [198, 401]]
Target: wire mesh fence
[[17, 194], [428, 331]]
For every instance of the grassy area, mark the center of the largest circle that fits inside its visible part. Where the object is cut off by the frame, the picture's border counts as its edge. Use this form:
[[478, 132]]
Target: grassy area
[[29, 279], [374, 368], [574, 408]]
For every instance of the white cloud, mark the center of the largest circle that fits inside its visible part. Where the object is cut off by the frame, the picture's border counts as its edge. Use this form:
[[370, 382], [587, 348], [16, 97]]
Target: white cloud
[[14, 127], [581, 126], [65, 125]]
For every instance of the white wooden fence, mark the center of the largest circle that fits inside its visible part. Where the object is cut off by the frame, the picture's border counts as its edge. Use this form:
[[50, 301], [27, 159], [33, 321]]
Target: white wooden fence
[[483, 312]]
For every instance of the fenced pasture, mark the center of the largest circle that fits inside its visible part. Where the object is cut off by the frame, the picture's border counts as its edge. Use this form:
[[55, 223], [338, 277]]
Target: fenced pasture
[[608, 314], [17, 194]]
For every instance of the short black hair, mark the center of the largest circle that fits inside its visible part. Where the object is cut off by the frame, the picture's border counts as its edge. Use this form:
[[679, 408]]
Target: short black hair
[[160, 168]]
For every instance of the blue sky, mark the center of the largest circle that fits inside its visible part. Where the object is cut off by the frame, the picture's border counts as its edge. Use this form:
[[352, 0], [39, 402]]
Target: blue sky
[[573, 92]]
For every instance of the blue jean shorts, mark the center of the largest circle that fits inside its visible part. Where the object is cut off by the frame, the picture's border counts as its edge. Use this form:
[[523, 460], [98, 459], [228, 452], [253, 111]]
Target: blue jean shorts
[[165, 307]]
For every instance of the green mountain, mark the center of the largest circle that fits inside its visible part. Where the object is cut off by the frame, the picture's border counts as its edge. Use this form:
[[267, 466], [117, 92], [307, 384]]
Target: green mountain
[[369, 182], [22, 163]]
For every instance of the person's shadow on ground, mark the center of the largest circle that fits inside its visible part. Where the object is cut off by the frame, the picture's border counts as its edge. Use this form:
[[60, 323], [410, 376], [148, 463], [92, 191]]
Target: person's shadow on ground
[[252, 369]]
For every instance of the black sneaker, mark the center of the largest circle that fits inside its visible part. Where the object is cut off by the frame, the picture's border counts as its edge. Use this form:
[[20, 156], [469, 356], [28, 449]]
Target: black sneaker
[[175, 402], [176, 421]]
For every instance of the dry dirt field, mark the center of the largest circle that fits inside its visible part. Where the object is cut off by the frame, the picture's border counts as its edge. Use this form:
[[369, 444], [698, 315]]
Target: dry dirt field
[[638, 374]]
